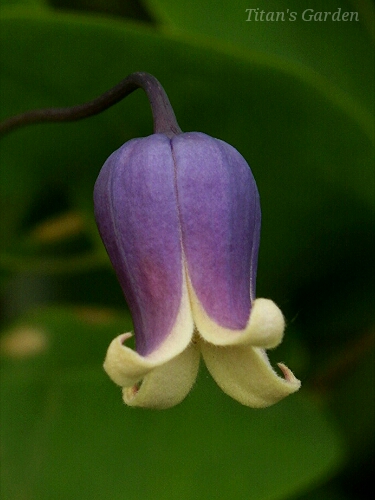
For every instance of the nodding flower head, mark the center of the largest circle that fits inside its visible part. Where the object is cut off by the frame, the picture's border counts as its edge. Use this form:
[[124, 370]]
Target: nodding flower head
[[179, 215]]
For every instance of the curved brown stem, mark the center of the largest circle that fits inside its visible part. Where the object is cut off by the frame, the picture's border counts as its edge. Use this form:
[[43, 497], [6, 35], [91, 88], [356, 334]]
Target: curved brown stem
[[164, 118]]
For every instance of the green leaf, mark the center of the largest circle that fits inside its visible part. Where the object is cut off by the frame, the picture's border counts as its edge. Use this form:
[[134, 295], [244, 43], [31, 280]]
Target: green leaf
[[66, 433], [354, 405], [325, 493], [13, 4], [341, 51]]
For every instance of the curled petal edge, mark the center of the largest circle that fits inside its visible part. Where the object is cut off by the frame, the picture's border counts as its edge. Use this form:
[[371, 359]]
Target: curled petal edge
[[157, 384], [166, 385], [265, 326], [246, 375], [126, 367]]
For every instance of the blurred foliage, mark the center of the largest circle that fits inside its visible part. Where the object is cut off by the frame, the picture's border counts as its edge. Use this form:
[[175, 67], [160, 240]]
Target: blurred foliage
[[296, 99]]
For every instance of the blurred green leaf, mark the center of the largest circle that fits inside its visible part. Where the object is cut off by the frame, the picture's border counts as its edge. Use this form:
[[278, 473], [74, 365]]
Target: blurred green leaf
[[128, 8], [65, 431], [23, 3], [325, 493], [354, 405], [341, 51]]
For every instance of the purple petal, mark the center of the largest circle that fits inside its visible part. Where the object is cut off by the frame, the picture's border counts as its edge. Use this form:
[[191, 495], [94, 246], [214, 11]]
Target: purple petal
[[220, 221], [136, 212]]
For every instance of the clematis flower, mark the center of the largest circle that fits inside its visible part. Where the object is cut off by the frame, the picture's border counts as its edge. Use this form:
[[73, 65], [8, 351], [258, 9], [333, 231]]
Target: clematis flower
[[179, 215]]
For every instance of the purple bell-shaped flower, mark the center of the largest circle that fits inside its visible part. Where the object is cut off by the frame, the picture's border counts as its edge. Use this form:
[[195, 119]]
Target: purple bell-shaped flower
[[179, 215]]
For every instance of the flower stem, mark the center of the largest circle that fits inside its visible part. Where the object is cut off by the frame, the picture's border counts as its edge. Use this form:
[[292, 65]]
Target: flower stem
[[163, 115]]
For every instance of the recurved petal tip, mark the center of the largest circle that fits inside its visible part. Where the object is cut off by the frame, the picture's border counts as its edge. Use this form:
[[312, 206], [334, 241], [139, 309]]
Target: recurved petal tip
[[166, 385], [123, 365], [244, 373], [265, 327]]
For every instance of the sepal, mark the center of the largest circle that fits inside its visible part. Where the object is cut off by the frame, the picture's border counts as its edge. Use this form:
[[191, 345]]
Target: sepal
[[166, 385], [245, 374]]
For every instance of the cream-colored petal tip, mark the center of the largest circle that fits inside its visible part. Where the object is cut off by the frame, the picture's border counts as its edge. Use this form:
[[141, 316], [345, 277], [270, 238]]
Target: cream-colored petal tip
[[245, 374], [123, 365], [289, 377], [166, 385], [266, 325]]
